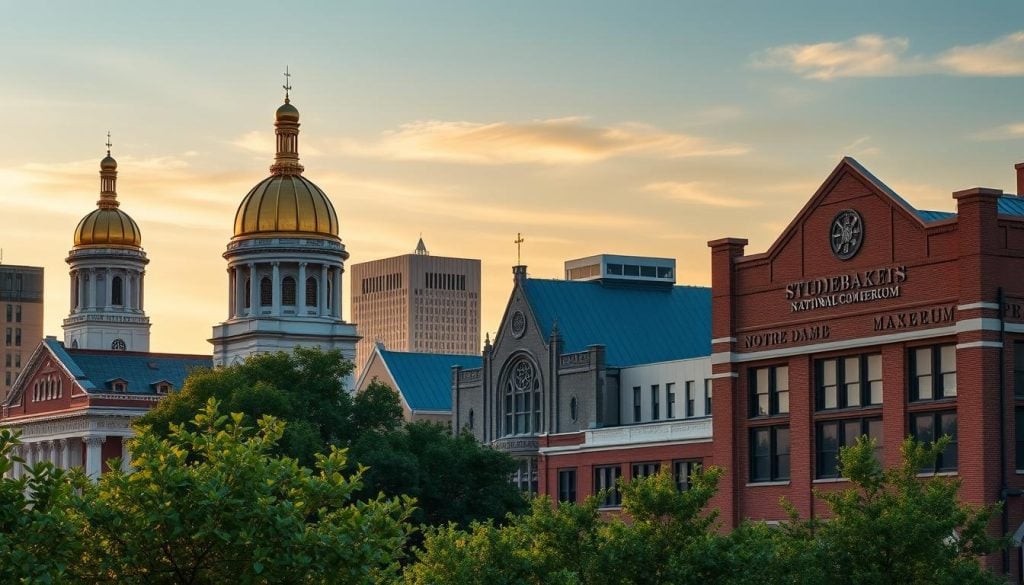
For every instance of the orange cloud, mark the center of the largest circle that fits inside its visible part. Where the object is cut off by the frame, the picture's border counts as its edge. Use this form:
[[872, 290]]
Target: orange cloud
[[554, 141], [694, 192]]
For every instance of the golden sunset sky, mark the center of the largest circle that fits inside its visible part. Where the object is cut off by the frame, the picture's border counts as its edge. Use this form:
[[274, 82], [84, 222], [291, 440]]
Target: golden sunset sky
[[632, 128]]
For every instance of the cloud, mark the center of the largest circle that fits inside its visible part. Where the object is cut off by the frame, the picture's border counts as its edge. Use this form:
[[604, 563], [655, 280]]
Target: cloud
[[553, 141], [872, 55], [1005, 132], [859, 147], [693, 192], [862, 56], [1003, 57]]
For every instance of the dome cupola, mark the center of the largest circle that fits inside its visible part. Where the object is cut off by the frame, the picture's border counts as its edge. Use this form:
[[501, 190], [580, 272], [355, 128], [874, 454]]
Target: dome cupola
[[107, 225], [286, 202]]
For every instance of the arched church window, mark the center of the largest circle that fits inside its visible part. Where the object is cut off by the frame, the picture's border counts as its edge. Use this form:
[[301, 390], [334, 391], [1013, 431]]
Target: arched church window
[[522, 399], [74, 344], [471, 421], [266, 292], [118, 345], [311, 292], [573, 407], [248, 294], [288, 291], [117, 291]]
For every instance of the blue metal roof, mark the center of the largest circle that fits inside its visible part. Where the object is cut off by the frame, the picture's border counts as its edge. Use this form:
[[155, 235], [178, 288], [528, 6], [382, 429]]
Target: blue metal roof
[[637, 325], [96, 369], [930, 216], [1011, 205], [425, 379]]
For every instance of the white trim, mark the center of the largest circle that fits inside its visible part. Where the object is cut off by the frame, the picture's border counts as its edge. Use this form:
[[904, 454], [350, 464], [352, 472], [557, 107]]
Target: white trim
[[584, 448], [831, 480], [1013, 327], [725, 375], [938, 474], [981, 305], [979, 324], [430, 411], [93, 410], [973, 344], [723, 340], [767, 483], [726, 357]]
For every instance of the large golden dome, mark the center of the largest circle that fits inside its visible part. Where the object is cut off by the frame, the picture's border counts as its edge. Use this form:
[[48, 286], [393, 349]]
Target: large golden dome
[[286, 203], [107, 225]]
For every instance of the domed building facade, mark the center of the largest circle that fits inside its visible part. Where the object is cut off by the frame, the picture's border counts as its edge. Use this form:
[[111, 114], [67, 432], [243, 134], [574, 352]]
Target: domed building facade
[[107, 269], [285, 263]]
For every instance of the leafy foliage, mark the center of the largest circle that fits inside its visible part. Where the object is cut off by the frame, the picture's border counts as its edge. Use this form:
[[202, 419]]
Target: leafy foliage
[[211, 505]]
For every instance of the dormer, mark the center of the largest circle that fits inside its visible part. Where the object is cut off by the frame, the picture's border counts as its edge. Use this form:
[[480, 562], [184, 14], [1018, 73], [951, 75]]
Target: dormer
[[162, 387], [118, 385]]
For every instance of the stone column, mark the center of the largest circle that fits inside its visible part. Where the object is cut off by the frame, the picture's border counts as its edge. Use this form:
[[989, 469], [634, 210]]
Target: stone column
[[239, 310], [127, 296], [300, 301], [65, 454], [323, 291], [254, 291], [126, 455], [81, 289], [109, 292], [95, 289], [336, 294], [142, 290], [275, 287], [93, 456], [74, 286]]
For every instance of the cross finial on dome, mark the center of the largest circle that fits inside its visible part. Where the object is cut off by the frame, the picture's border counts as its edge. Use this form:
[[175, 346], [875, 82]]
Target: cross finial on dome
[[287, 84], [108, 143]]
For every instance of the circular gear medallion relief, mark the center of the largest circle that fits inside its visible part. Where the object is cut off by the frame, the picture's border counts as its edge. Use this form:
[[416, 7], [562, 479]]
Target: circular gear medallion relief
[[846, 234], [518, 324]]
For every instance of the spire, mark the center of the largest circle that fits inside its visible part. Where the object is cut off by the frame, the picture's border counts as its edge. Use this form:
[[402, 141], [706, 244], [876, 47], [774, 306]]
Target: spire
[[421, 248], [108, 180], [286, 127]]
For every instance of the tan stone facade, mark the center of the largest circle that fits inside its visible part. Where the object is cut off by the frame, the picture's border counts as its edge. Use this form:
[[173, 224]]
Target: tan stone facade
[[418, 303]]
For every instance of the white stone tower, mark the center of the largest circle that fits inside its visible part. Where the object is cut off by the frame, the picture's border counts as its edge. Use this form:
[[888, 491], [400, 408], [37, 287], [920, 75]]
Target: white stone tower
[[285, 263], [108, 268]]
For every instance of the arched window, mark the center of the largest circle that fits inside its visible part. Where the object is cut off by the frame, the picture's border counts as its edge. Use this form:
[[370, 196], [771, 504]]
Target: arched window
[[266, 292], [74, 344], [311, 292], [248, 294], [522, 399], [330, 301], [118, 345], [288, 291], [117, 291], [471, 421], [573, 406]]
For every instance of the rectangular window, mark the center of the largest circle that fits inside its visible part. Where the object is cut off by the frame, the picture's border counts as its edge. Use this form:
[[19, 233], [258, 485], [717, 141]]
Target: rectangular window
[[8, 360], [927, 427], [645, 469], [7, 378], [1018, 368], [683, 472], [9, 337], [636, 404], [1019, 431], [17, 314], [691, 400], [769, 391], [835, 434], [605, 478], [10, 313], [615, 269], [707, 397], [670, 399], [17, 336], [655, 402], [567, 485], [932, 373], [848, 382], [17, 360], [769, 454], [525, 478]]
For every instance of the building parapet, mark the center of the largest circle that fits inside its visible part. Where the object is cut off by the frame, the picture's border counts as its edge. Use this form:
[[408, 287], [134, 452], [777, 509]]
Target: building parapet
[[670, 431]]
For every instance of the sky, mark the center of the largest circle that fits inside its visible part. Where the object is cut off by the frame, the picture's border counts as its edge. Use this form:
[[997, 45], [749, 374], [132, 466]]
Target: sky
[[644, 128]]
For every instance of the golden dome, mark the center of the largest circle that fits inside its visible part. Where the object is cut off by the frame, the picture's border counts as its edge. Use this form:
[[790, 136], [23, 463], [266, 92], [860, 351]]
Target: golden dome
[[287, 113], [108, 227], [286, 203]]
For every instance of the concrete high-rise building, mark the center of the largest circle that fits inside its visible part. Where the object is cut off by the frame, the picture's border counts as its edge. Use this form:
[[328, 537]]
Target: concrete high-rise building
[[417, 302], [21, 316]]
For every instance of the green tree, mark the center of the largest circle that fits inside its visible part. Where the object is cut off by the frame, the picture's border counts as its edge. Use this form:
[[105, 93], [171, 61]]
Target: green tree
[[893, 526], [453, 477], [304, 389], [212, 505], [39, 531]]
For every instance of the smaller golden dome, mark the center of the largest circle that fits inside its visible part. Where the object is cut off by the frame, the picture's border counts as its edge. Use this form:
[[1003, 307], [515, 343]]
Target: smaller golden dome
[[287, 113], [108, 227], [108, 163]]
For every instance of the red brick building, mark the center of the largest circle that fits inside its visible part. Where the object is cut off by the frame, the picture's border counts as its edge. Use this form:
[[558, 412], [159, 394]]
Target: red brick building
[[868, 316]]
